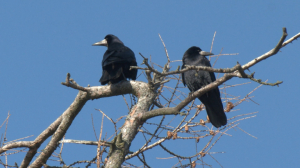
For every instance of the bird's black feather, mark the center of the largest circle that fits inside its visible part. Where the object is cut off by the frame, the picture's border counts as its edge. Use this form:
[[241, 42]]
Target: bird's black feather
[[116, 62], [195, 80]]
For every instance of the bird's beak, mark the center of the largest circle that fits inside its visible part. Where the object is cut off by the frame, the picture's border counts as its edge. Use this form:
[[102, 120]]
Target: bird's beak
[[101, 43], [204, 53]]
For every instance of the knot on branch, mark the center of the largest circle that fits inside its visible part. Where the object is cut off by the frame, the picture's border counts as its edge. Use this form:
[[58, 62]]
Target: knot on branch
[[241, 71], [117, 144], [202, 154]]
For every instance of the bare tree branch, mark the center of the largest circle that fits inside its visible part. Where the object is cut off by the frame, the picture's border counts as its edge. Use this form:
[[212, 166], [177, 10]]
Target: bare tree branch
[[269, 53], [71, 83], [149, 94]]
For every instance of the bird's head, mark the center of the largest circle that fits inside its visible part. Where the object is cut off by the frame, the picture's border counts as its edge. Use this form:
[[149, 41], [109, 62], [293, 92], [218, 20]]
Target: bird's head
[[108, 41], [196, 51]]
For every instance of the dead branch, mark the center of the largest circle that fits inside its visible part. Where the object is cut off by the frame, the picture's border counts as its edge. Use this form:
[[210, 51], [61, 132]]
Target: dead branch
[[71, 83]]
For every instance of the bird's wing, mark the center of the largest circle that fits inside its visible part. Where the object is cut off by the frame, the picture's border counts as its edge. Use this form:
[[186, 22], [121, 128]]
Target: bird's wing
[[106, 55], [209, 76], [212, 76], [182, 75], [122, 55]]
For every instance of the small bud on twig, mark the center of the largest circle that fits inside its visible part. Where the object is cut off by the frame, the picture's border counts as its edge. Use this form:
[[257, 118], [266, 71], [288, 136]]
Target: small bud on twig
[[169, 134], [202, 122], [175, 135], [202, 154], [200, 107], [229, 106], [186, 128], [207, 118], [193, 164]]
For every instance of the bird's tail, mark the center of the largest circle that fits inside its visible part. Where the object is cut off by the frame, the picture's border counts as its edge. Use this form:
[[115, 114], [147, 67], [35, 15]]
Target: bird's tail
[[215, 110]]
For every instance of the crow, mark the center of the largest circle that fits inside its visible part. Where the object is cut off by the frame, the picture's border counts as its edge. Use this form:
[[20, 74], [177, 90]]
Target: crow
[[116, 61], [197, 79]]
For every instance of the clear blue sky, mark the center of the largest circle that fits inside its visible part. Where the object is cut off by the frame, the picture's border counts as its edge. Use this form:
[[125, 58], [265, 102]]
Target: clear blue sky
[[41, 41]]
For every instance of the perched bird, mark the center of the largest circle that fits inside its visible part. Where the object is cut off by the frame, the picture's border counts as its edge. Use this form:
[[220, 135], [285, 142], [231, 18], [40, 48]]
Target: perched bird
[[116, 61], [197, 79]]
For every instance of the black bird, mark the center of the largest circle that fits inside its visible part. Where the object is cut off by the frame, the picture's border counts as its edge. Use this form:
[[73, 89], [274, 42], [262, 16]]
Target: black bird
[[197, 79], [116, 61]]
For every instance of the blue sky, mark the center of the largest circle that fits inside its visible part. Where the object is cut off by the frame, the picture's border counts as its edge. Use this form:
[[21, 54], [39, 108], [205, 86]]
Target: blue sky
[[41, 41]]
